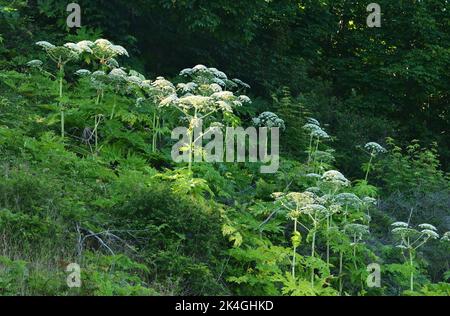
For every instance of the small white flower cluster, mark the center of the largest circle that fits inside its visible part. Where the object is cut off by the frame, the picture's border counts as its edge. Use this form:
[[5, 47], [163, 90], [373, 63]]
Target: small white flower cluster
[[357, 229], [404, 230], [203, 75], [375, 148], [202, 95], [268, 119], [102, 49], [106, 50], [35, 63], [60, 54], [348, 199], [336, 178], [446, 236], [369, 200], [301, 203], [313, 127]]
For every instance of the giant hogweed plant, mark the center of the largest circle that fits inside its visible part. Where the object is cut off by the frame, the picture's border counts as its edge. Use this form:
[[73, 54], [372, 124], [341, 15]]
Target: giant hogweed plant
[[410, 239], [373, 149], [203, 98], [60, 56]]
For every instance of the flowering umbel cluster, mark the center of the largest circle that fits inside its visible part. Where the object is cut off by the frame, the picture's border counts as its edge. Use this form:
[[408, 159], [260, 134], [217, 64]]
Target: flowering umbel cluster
[[268, 119]]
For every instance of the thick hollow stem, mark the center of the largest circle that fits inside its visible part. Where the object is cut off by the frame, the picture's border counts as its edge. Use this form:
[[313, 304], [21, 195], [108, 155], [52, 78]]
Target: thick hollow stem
[[368, 167], [61, 76], [295, 249], [313, 245], [328, 240], [411, 278], [341, 259]]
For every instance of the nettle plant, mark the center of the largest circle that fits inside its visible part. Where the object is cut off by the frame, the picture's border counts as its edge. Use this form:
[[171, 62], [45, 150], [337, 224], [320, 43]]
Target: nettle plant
[[411, 239], [60, 56], [205, 97]]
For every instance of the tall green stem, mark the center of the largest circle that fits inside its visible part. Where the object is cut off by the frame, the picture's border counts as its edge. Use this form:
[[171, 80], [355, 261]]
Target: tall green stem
[[295, 249], [341, 259], [114, 106], [411, 278], [61, 77], [313, 245], [368, 167]]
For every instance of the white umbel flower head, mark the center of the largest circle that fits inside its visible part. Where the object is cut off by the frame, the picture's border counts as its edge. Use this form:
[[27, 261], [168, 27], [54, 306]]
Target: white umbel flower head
[[74, 47], [313, 121], [446, 236], [82, 72], [375, 148], [428, 226], [36, 63], [336, 178], [269, 119], [430, 233], [241, 83], [45, 45], [400, 224]]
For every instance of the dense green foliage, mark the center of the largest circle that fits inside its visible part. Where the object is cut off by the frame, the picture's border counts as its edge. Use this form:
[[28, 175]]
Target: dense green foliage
[[86, 174]]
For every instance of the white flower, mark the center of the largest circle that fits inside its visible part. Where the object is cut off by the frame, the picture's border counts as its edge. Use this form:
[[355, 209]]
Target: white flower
[[82, 72], [375, 148], [269, 119], [187, 87], [347, 199], [200, 68], [134, 80], [45, 45], [223, 95], [430, 233], [319, 133], [336, 178], [74, 47], [446, 236], [219, 82], [103, 43], [86, 46], [118, 74], [171, 99], [358, 229], [119, 50], [400, 224], [35, 63], [224, 106], [369, 200], [427, 226], [313, 175], [218, 74], [186, 72], [311, 127], [244, 99], [240, 82], [215, 87], [313, 121]]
